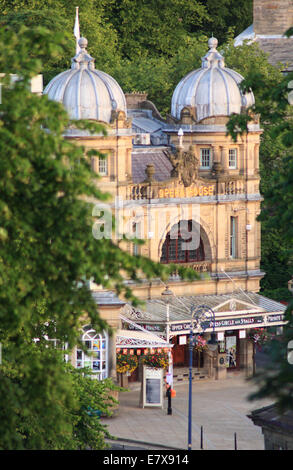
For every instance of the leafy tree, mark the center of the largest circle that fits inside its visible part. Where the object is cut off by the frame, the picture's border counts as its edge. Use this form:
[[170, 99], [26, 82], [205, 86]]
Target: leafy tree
[[47, 252], [277, 213], [225, 16], [59, 16], [48, 403], [153, 28]]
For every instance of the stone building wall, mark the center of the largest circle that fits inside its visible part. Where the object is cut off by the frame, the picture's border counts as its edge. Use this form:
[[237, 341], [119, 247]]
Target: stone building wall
[[272, 16], [277, 440]]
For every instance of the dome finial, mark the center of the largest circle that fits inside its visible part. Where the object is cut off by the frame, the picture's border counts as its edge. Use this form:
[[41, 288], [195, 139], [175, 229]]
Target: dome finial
[[213, 43], [83, 42], [83, 59]]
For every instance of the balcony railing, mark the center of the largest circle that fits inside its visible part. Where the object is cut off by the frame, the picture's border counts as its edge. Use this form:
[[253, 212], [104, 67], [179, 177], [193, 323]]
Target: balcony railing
[[160, 189], [198, 266]]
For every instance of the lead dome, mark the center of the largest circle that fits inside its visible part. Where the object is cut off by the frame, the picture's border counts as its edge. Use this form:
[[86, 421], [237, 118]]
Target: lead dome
[[212, 90], [86, 93]]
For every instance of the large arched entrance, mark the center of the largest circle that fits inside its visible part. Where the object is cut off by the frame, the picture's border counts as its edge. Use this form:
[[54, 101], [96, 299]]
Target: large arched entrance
[[186, 242]]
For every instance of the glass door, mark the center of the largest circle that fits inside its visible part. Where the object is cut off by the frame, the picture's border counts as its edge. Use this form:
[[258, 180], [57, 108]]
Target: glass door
[[231, 341]]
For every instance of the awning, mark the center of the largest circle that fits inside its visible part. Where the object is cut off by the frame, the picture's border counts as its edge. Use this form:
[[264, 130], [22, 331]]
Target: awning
[[238, 310], [138, 337]]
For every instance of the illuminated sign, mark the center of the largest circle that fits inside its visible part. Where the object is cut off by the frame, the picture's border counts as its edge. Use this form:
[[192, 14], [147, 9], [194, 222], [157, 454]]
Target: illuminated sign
[[181, 192]]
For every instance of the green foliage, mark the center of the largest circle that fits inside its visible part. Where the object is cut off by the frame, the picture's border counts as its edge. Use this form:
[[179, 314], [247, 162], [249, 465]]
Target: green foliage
[[224, 15], [59, 16], [154, 28], [47, 253], [276, 168], [47, 401], [277, 381]]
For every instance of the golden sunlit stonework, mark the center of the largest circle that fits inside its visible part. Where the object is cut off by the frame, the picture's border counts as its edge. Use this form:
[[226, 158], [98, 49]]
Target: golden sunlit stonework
[[192, 194]]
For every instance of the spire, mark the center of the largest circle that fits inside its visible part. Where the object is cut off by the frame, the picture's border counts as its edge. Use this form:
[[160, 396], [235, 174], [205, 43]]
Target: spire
[[76, 30]]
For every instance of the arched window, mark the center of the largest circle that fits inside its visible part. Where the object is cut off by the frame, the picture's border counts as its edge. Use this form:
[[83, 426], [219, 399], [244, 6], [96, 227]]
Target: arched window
[[183, 246], [97, 357]]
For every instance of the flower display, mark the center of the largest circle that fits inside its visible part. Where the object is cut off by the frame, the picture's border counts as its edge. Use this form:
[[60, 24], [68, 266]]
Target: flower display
[[126, 363], [157, 359], [200, 344], [260, 336]]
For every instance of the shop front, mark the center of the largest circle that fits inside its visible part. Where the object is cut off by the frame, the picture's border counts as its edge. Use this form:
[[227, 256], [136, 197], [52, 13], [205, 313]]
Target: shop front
[[236, 316]]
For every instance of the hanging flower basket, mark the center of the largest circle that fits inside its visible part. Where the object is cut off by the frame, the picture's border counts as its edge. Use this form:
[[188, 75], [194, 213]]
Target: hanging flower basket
[[260, 336], [200, 344], [126, 363]]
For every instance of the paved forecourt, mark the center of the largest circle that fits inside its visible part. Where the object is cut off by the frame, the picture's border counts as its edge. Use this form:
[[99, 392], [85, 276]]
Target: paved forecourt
[[221, 407]]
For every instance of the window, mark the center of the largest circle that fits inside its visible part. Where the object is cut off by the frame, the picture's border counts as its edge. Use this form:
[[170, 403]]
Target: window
[[233, 237], [96, 358], [233, 158], [205, 158], [103, 166], [174, 248]]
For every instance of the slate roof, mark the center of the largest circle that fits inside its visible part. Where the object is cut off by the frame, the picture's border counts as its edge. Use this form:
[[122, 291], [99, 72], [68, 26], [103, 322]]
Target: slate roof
[[279, 50], [150, 155], [146, 125], [106, 297], [155, 309], [270, 417]]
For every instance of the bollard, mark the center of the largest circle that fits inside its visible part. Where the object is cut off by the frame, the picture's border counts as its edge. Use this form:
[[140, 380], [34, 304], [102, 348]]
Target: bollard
[[235, 441], [201, 438], [168, 395]]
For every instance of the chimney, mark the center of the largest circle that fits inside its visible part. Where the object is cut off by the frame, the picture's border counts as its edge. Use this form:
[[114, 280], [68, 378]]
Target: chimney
[[272, 17]]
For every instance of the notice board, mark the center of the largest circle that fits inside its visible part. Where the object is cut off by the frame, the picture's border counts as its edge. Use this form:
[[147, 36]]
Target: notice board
[[152, 387]]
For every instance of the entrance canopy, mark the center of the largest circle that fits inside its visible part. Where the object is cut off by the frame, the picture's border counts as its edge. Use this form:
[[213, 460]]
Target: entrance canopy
[[232, 311], [138, 337]]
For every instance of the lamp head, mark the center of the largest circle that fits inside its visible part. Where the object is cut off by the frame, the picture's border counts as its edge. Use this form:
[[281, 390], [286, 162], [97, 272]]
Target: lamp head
[[212, 342], [167, 294]]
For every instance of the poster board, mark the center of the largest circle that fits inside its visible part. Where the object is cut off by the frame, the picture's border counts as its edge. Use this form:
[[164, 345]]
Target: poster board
[[152, 387]]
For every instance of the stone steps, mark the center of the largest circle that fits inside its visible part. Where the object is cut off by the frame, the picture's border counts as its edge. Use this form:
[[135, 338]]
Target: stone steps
[[182, 374]]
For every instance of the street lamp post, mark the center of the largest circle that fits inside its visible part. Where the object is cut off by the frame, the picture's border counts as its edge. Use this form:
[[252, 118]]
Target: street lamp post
[[202, 317], [167, 296]]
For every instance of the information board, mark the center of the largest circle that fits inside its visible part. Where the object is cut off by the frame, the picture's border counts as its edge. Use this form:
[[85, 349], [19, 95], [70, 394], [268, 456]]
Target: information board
[[153, 391], [152, 387]]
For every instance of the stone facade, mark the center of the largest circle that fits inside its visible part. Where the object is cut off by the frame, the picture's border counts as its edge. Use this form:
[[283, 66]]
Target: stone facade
[[271, 19], [194, 183], [273, 16]]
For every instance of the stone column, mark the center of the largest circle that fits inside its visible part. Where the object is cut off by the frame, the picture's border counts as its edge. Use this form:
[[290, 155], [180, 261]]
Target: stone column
[[248, 357], [216, 153], [242, 158], [225, 158], [256, 159], [112, 357]]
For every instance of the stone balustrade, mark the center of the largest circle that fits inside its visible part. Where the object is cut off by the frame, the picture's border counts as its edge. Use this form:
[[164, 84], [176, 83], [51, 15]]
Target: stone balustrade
[[198, 266], [155, 189]]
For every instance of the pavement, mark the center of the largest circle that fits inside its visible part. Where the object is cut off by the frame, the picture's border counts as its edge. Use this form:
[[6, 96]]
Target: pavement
[[219, 406]]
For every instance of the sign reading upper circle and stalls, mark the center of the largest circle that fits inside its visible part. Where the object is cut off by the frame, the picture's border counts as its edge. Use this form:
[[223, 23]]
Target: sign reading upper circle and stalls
[[242, 322]]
